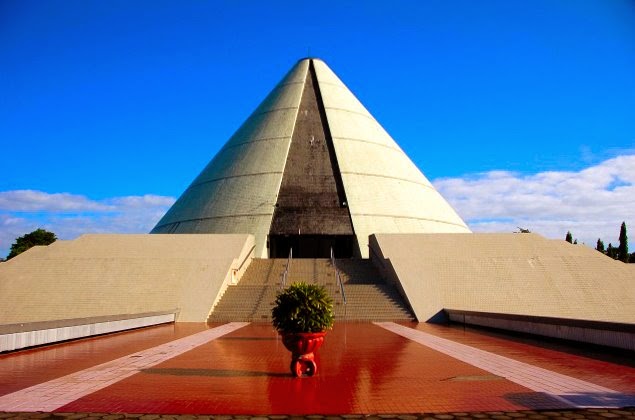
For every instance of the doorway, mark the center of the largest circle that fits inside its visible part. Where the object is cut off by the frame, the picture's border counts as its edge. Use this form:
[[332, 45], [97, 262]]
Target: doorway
[[311, 246]]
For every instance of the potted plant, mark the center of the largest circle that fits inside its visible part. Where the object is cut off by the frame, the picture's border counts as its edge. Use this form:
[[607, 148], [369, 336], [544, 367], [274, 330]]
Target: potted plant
[[301, 314]]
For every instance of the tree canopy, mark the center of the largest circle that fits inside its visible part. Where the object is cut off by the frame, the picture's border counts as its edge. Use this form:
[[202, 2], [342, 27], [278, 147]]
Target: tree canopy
[[37, 237], [611, 251], [622, 250], [600, 245], [617, 253]]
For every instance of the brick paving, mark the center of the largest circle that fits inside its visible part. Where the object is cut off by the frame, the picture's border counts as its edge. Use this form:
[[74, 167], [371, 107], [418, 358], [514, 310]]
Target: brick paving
[[241, 371], [611, 370], [51, 395], [572, 391], [27, 368], [590, 414], [362, 369]]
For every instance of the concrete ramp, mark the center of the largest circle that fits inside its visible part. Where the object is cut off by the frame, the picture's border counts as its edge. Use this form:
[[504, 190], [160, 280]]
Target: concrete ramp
[[117, 277], [543, 286]]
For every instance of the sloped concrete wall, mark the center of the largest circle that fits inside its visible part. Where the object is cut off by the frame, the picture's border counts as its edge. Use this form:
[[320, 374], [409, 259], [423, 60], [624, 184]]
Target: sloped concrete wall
[[106, 275], [520, 274]]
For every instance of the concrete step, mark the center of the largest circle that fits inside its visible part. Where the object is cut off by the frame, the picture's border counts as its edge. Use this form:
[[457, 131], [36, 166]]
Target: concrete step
[[368, 297]]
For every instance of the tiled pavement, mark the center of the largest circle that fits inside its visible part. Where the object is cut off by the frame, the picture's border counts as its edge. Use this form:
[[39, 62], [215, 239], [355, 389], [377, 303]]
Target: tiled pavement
[[571, 391], [364, 369], [590, 414], [51, 395]]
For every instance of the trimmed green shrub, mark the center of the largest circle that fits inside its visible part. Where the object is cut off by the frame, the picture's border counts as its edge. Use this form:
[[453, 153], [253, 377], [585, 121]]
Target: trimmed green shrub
[[302, 307]]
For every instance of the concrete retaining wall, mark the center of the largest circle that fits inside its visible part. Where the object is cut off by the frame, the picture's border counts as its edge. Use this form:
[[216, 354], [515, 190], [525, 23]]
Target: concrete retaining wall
[[522, 275], [110, 275], [19, 336], [601, 333]]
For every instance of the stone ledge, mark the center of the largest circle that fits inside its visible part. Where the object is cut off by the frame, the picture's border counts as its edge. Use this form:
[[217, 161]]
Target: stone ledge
[[611, 334], [19, 336]]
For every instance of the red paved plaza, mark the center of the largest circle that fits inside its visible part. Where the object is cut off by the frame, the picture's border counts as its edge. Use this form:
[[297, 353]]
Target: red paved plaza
[[363, 368]]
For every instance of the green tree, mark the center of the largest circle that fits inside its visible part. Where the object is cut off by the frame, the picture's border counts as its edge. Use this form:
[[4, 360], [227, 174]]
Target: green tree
[[611, 252], [622, 250], [600, 246], [569, 237], [37, 237]]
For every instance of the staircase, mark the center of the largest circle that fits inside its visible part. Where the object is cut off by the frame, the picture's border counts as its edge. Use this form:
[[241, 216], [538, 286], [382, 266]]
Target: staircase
[[368, 297]]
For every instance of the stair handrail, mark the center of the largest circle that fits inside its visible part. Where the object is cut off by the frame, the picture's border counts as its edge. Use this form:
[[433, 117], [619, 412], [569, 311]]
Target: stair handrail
[[338, 278], [285, 273]]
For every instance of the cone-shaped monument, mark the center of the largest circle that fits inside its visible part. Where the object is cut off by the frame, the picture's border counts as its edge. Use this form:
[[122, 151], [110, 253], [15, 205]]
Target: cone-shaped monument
[[311, 169]]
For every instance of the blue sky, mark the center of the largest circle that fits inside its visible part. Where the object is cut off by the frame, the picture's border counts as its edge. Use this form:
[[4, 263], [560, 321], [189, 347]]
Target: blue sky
[[108, 109]]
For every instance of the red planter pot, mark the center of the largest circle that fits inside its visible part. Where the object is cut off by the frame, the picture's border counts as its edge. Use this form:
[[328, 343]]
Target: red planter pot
[[302, 347]]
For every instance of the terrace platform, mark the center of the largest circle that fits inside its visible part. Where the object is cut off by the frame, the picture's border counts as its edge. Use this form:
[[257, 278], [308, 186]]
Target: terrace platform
[[364, 369]]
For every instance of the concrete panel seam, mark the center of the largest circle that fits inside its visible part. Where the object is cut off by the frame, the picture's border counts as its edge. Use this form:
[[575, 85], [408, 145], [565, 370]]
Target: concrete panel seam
[[396, 149], [269, 111], [234, 176], [234, 145], [322, 82], [284, 84], [350, 111], [390, 177], [407, 217]]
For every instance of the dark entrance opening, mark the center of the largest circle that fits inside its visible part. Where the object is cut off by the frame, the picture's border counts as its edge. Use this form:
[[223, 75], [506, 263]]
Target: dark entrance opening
[[311, 246]]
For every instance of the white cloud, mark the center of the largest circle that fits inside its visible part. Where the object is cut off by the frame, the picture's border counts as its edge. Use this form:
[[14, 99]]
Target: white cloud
[[590, 203], [71, 215], [31, 200]]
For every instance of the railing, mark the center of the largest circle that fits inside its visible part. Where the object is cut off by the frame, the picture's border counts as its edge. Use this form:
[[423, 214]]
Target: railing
[[338, 279], [285, 273]]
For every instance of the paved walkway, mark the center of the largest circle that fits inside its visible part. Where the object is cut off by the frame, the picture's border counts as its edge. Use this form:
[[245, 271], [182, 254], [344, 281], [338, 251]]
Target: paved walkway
[[590, 414], [51, 395], [571, 391], [364, 369]]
